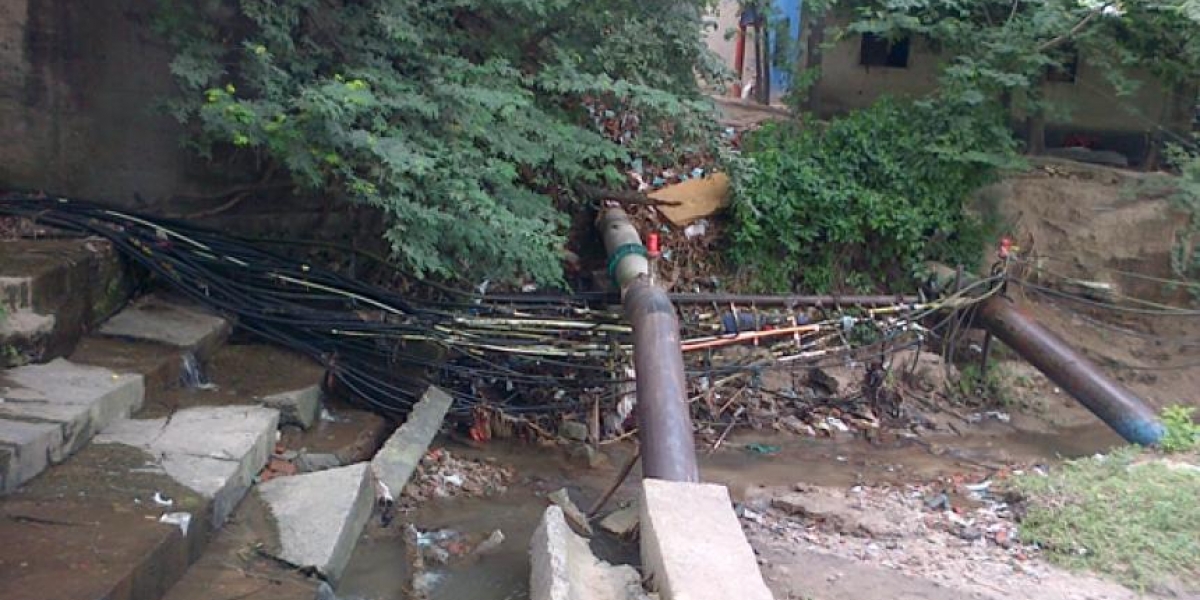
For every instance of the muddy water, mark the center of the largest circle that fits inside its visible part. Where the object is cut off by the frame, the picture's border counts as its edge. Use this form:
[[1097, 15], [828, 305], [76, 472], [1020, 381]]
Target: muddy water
[[379, 569]]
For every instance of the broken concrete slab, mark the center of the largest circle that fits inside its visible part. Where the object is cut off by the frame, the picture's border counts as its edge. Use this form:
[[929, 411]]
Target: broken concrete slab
[[693, 546], [162, 321], [296, 407], [25, 451], [213, 450], [77, 400], [564, 567], [621, 522], [395, 462], [321, 515]]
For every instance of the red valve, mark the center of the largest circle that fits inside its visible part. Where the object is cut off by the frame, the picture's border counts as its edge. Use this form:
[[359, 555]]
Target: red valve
[[1006, 245], [652, 244]]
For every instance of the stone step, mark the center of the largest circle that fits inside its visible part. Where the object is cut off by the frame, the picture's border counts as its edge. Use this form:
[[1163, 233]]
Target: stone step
[[66, 285], [50, 411], [123, 518], [169, 322]]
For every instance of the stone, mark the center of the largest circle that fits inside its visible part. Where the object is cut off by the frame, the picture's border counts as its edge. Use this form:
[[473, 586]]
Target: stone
[[564, 567], [157, 320], [311, 463], [215, 451], [578, 520], [321, 515], [24, 336], [830, 510], [693, 547], [834, 380], [25, 451], [573, 430], [299, 407], [621, 522], [926, 371], [76, 400], [395, 462]]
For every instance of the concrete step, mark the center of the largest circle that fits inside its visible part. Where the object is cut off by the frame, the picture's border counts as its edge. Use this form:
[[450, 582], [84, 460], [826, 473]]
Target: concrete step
[[50, 411], [171, 322], [123, 518], [59, 289]]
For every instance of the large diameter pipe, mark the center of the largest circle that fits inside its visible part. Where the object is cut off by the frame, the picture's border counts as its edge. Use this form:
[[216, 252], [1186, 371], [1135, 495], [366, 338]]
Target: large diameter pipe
[[668, 448], [664, 421], [1109, 400]]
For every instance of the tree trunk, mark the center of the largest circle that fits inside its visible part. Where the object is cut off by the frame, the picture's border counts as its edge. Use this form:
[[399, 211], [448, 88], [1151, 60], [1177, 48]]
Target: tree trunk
[[813, 58]]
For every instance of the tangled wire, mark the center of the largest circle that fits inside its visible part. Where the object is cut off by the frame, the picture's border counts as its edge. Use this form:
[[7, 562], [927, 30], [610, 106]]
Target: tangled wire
[[518, 358]]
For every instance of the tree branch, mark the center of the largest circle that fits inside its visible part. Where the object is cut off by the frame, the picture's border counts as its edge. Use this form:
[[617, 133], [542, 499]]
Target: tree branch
[[622, 196], [1068, 36]]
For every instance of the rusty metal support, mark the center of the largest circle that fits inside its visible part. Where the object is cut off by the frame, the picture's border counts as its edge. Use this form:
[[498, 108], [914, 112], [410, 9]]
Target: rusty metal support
[[1127, 414], [793, 301], [664, 420]]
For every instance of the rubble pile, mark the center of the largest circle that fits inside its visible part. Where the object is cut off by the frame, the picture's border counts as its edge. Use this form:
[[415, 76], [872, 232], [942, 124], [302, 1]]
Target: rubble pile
[[442, 475], [951, 531]]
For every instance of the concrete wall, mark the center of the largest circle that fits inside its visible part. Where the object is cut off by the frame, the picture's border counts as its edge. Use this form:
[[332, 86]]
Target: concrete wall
[[79, 83]]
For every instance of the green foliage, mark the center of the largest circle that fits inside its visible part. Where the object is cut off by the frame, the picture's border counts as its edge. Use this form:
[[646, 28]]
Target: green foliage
[[457, 118], [1006, 49], [1123, 514], [863, 202], [1183, 434]]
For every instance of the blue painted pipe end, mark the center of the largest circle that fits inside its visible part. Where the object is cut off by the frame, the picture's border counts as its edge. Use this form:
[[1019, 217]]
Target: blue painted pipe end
[[1144, 432]]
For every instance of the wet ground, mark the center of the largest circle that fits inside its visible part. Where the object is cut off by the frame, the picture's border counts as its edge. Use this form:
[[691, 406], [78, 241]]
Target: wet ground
[[745, 463]]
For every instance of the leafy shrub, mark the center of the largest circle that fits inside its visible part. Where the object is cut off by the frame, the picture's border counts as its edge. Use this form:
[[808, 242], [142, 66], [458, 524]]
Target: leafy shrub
[[859, 204], [458, 118], [1182, 433]]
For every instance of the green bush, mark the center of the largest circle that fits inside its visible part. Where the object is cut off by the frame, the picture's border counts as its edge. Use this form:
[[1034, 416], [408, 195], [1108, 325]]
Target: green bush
[[860, 203], [461, 120], [1182, 434]]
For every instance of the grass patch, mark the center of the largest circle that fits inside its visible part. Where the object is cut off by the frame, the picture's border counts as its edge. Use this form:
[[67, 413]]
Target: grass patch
[[1126, 515]]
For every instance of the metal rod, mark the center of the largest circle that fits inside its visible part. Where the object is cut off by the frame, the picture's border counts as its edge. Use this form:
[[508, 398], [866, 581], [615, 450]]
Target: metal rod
[[664, 420], [710, 298]]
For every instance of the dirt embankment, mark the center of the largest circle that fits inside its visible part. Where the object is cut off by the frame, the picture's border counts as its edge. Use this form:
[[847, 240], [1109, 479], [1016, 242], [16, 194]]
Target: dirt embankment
[[1118, 230]]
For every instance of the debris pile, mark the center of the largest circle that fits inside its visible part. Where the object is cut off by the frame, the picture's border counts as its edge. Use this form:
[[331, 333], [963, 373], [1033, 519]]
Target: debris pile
[[442, 475], [942, 532]]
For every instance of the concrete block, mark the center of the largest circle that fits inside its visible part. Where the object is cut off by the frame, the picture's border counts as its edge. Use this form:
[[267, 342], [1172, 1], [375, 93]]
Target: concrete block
[[25, 451], [298, 407], [214, 450], [693, 546], [26, 332], [564, 567], [80, 399], [321, 515], [400, 454], [154, 319]]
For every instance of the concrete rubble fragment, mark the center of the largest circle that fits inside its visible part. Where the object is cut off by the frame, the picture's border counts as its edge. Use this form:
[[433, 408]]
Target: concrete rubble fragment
[[400, 455], [320, 515], [579, 521], [564, 567]]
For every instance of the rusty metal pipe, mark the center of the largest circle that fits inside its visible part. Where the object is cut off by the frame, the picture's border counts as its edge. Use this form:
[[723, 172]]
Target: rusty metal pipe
[[716, 298], [1107, 399], [664, 421]]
